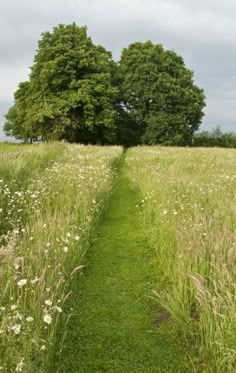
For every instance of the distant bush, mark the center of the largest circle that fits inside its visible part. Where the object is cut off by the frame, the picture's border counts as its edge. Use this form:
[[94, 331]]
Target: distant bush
[[215, 138]]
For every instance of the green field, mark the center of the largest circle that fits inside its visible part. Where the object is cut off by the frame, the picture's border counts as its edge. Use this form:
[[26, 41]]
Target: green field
[[117, 261]]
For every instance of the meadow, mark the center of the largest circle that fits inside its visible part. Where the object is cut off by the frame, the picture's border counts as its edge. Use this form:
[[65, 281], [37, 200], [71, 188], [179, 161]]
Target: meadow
[[188, 206], [51, 197], [171, 207]]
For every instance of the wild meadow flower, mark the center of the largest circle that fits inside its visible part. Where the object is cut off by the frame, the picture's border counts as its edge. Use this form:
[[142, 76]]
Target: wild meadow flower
[[16, 328], [77, 238], [20, 365], [48, 302], [47, 319], [29, 319], [36, 279], [22, 282], [65, 249]]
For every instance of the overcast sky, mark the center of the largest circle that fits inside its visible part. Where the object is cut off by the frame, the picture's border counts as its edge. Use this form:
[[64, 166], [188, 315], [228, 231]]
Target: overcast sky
[[203, 32]]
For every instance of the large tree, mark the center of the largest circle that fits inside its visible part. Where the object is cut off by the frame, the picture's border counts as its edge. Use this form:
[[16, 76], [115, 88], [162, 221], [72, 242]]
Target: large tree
[[158, 97], [69, 94]]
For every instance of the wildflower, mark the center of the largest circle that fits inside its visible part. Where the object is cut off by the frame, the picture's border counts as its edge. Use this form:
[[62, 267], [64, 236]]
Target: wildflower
[[68, 235], [48, 244], [76, 238], [13, 307], [65, 249], [29, 319], [22, 283], [20, 366], [43, 348], [48, 302], [47, 319], [59, 309], [16, 328], [34, 281]]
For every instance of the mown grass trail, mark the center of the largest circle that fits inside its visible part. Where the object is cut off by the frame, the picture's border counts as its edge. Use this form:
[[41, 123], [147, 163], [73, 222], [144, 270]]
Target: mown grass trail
[[114, 325]]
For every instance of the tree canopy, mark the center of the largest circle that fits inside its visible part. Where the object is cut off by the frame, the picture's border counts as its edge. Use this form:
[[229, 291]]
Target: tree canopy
[[158, 94], [78, 93], [69, 94]]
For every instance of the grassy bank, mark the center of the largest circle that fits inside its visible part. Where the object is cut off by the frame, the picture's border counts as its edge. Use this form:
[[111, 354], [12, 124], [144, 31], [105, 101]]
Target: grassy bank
[[60, 190], [188, 211]]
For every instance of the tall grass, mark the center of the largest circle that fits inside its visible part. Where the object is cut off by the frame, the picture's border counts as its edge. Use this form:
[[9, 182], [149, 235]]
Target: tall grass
[[60, 196], [188, 206], [19, 166]]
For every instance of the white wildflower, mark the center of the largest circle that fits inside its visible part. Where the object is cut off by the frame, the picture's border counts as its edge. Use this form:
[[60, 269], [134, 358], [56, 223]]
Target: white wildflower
[[16, 328], [13, 307], [47, 319], [48, 302], [20, 366], [22, 282], [59, 309], [36, 279], [29, 319], [76, 238], [65, 249]]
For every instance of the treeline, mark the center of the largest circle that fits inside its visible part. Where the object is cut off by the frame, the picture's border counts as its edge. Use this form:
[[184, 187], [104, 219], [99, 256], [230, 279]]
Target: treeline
[[77, 92], [215, 138]]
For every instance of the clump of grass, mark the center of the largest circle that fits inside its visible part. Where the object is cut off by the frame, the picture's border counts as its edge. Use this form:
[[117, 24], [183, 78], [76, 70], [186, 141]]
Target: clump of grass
[[40, 253], [188, 208]]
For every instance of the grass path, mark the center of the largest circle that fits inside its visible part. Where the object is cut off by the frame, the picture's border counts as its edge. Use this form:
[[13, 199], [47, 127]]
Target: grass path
[[114, 327]]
